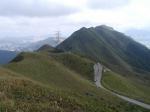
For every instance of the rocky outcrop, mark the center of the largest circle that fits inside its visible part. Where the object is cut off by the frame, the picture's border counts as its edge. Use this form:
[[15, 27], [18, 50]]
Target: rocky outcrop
[[98, 68]]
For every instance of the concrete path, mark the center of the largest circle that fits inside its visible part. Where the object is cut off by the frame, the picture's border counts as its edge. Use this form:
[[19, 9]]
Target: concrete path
[[147, 106], [98, 68]]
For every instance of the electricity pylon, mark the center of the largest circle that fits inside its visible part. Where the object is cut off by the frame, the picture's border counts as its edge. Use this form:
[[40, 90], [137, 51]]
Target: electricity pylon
[[57, 37]]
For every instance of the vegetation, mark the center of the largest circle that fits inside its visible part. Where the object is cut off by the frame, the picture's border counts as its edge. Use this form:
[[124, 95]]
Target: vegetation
[[48, 48], [19, 94], [125, 86], [78, 64], [41, 82], [50, 80], [115, 50], [129, 60]]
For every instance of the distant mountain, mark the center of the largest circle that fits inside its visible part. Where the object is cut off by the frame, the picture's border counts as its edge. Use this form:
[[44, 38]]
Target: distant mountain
[[36, 45], [114, 49], [13, 44], [7, 56], [26, 45]]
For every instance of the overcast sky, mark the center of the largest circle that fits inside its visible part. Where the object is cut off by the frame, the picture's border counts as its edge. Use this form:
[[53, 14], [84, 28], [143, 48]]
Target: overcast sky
[[21, 18]]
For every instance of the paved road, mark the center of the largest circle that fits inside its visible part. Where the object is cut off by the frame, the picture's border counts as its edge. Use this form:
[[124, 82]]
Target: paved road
[[128, 99]]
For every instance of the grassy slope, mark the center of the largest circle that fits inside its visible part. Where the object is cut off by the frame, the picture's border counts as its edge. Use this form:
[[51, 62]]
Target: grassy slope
[[81, 93], [46, 70], [89, 43], [78, 64], [116, 51], [21, 94], [125, 86]]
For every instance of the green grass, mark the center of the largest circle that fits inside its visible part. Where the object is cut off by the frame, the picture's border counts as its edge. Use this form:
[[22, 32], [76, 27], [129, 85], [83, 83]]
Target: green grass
[[127, 87], [42, 83], [20, 94], [78, 64], [48, 71]]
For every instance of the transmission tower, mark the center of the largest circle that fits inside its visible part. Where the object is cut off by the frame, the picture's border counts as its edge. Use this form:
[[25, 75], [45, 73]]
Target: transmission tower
[[57, 37]]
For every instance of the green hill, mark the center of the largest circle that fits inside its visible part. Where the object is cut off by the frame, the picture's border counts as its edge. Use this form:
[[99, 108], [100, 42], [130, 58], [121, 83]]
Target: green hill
[[130, 87], [114, 49], [48, 48], [55, 82], [118, 52]]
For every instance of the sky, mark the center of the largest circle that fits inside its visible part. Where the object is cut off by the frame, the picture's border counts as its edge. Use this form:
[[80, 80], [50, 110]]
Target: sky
[[34, 19]]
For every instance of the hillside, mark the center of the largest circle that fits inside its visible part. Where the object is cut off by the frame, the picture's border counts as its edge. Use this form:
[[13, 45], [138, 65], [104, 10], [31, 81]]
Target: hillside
[[48, 48], [7, 56], [126, 86], [67, 81], [114, 49], [124, 56], [78, 64], [21, 94]]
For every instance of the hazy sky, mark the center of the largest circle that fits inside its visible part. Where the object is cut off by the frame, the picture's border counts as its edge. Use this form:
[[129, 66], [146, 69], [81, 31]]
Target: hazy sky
[[23, 18]]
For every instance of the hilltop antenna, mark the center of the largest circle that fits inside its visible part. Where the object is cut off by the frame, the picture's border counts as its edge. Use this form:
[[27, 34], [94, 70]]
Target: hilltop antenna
[[57, 37]]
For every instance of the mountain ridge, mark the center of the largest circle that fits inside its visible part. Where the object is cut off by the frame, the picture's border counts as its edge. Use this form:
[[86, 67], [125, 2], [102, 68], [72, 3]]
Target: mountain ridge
[[110, 44]]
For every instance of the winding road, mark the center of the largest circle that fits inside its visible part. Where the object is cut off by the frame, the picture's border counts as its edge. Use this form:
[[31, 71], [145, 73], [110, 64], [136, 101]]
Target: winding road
[[147, 106], [98, 68]]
